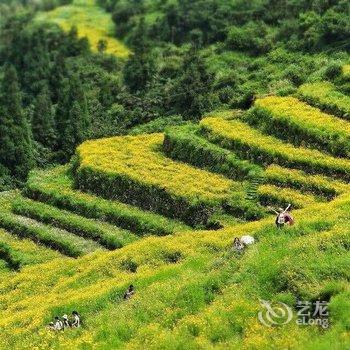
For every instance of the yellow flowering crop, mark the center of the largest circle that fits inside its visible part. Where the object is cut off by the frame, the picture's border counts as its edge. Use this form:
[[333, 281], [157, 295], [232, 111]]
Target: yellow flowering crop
[[346, 70], [272, 195], [325, 96], [251, 144], [300, 123], [91, 21], [137, 157]]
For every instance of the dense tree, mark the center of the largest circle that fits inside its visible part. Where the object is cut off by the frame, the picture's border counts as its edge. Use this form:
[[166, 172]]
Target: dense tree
[[43, 122], [72, 120], [191, 94], [141, 66], [16, 151]]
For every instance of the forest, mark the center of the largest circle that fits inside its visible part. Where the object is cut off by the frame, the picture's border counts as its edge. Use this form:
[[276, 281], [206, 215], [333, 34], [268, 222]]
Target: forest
[[186, 58]]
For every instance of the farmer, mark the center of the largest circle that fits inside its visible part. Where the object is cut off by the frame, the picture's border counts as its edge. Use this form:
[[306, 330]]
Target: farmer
[[58, 324], [76, 319], [66, 323], [129, 292], [283, 217], [238, 246], [51, 326]]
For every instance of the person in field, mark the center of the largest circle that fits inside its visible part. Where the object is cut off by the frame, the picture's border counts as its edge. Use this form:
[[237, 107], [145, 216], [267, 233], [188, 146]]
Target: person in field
[[129, 292], [58, 324], [76, 319], [66, 323], [283, 217], [238, 246]]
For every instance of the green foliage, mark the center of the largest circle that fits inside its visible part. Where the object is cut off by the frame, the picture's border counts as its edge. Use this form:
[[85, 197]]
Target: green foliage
[[192, 92], [140, 69], [43, 120]]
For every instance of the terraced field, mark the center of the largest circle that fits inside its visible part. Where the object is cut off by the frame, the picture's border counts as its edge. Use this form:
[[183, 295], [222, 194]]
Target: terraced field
[[91, 21], [160, 211]]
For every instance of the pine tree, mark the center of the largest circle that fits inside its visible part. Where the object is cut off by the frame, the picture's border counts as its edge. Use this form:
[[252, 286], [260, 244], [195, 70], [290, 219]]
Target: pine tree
[[16, 151], [43, 124], [141, 66], [72, 118], [192, 92]]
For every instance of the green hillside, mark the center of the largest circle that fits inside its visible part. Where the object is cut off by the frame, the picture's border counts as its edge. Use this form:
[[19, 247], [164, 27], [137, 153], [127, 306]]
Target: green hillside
[[192, 290]]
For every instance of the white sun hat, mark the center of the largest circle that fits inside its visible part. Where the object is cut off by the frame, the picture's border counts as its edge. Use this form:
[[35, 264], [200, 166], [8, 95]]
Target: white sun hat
[[247, 240]]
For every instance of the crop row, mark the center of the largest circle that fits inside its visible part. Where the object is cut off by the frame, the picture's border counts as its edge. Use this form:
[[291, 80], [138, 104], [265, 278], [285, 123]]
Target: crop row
[[26, 251], [297, 179], [7, 254], [97, 299], [55, 187], [133, 170], [251, 144], [184, 144], [295, 121], [63, 241], [107, 235], [325, 96], [279, 196]]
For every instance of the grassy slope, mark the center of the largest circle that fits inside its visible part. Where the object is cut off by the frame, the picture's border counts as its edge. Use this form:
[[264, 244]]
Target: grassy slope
[[213, 297], [192, 290], [91, 21]]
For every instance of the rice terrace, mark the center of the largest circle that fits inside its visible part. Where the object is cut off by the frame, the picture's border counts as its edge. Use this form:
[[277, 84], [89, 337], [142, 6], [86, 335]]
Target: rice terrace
[[174, 174]]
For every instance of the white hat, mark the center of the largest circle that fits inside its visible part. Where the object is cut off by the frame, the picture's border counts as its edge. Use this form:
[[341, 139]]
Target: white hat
[[247, 240]]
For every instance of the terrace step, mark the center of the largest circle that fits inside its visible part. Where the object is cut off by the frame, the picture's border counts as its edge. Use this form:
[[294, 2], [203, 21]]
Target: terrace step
[[55, 187], [26, 251], [134, 170], [187, 145], [249, 143], [63, 241], [301, 124], [107, 235], [270, 195], [325, 96]]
